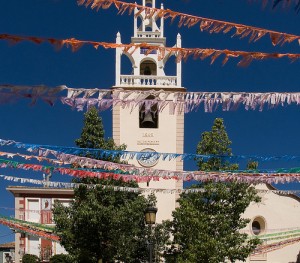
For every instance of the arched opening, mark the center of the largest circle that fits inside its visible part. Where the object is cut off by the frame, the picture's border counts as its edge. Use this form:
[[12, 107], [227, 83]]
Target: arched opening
[[149, 3], [258, 225], [170, 66], [148, 68], [148, 115], [127, 64]]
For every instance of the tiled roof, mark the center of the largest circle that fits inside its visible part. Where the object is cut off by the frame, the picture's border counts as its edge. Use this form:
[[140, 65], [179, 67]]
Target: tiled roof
[[8, 245]]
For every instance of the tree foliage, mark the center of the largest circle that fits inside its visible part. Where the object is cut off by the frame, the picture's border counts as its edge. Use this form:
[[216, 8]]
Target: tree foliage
[[101, 224], [61, 258], [215, 142], [93, 136], [206, 225], [104, 224], [29, 258]]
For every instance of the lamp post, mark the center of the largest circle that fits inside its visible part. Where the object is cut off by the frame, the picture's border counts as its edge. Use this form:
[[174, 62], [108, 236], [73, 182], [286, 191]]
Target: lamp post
[[150, 218]]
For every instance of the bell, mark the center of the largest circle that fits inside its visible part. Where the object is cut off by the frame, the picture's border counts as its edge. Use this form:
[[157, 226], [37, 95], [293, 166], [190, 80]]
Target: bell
[[147, 71], [148, 121]]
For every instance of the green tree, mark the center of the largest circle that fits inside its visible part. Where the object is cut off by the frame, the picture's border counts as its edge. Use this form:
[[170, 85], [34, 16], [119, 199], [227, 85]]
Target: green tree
[[29, 258], [215, 142], [206, 225], [61, 258], [101, 224], [93, 136]]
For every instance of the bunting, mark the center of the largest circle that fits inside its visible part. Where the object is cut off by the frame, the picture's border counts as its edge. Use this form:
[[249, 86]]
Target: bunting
[[278, 235], [252, 177], [144, 177], [126, 189], [79, 161], [30, 157], [272, 230], [182, 53], [178, 102], [33, 225], [275, 246], [205, 24], [25, 228], [45, 150]]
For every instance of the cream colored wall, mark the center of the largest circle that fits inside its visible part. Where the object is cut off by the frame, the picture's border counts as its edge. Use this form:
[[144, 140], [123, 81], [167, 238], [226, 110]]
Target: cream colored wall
[[17, 235], [279, 212], [168, 138]]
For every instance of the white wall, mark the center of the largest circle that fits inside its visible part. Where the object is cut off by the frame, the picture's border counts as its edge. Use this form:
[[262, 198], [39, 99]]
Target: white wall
[[279, 212], [168, 137]]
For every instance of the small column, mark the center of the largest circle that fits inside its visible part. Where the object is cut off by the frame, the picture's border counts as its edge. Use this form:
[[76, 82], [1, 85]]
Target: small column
[[118, 60], [178, 66], [143, 24], [162, 20], [135, 22]]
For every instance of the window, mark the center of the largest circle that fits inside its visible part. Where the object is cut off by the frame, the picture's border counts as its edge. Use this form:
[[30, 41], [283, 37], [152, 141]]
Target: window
[[148, 68], [148, 119], [258, 225], [33, 210]]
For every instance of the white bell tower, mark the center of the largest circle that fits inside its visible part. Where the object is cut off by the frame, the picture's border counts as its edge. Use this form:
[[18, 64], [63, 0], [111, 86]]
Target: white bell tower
[[152, 130]]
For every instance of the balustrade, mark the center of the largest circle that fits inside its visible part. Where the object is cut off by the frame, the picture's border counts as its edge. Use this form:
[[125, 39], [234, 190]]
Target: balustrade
[[152, 81], [148, 34]]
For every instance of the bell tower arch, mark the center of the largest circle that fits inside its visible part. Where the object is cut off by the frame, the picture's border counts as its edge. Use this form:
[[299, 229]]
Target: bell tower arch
[[147, 127]]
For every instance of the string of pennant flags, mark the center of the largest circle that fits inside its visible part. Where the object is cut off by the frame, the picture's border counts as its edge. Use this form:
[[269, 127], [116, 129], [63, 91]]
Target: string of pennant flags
[[32, 225], [25, 227], [250, 178], [55, 184], [50, 229], [30, 157], [104, 99], [270, 230], [45, 232], [105, 166], [278, 235], [275, 246], [205, 24], [45, 150], [253, 177], [181, 53]]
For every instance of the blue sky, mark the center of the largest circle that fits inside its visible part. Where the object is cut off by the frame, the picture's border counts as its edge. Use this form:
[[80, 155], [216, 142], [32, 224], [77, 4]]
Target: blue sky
[[270, 132]]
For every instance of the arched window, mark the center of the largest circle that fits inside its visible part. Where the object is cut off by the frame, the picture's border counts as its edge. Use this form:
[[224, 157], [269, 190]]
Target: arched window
[[148, 115], [149, 3], [258, 225], [148, 67]]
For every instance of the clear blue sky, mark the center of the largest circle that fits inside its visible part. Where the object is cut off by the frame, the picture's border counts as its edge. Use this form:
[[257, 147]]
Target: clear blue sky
[[271, 132]]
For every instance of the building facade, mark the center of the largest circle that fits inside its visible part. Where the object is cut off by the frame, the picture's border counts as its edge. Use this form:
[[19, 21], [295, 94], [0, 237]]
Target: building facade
[[153, 130], [150, 130], [7, 252], [35, 205], [276, 213], [164, 132]]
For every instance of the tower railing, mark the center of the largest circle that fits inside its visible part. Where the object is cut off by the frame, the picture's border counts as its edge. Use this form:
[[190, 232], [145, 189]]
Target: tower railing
[[148, 34], [148, 81]]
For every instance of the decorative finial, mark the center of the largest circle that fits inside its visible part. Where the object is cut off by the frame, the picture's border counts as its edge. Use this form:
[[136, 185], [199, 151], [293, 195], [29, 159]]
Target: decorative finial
[[178, 36]]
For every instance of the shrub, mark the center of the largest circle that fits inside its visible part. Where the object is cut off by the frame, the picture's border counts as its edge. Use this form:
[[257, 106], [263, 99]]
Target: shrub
[[29, 258], [61, 258]]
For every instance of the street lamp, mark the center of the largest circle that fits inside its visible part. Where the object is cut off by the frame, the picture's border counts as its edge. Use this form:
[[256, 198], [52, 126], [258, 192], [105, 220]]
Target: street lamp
[[150, 218], [150, 215]]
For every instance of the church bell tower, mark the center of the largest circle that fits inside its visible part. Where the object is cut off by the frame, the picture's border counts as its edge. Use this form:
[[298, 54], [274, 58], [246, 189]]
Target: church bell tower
[[150, 130]]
